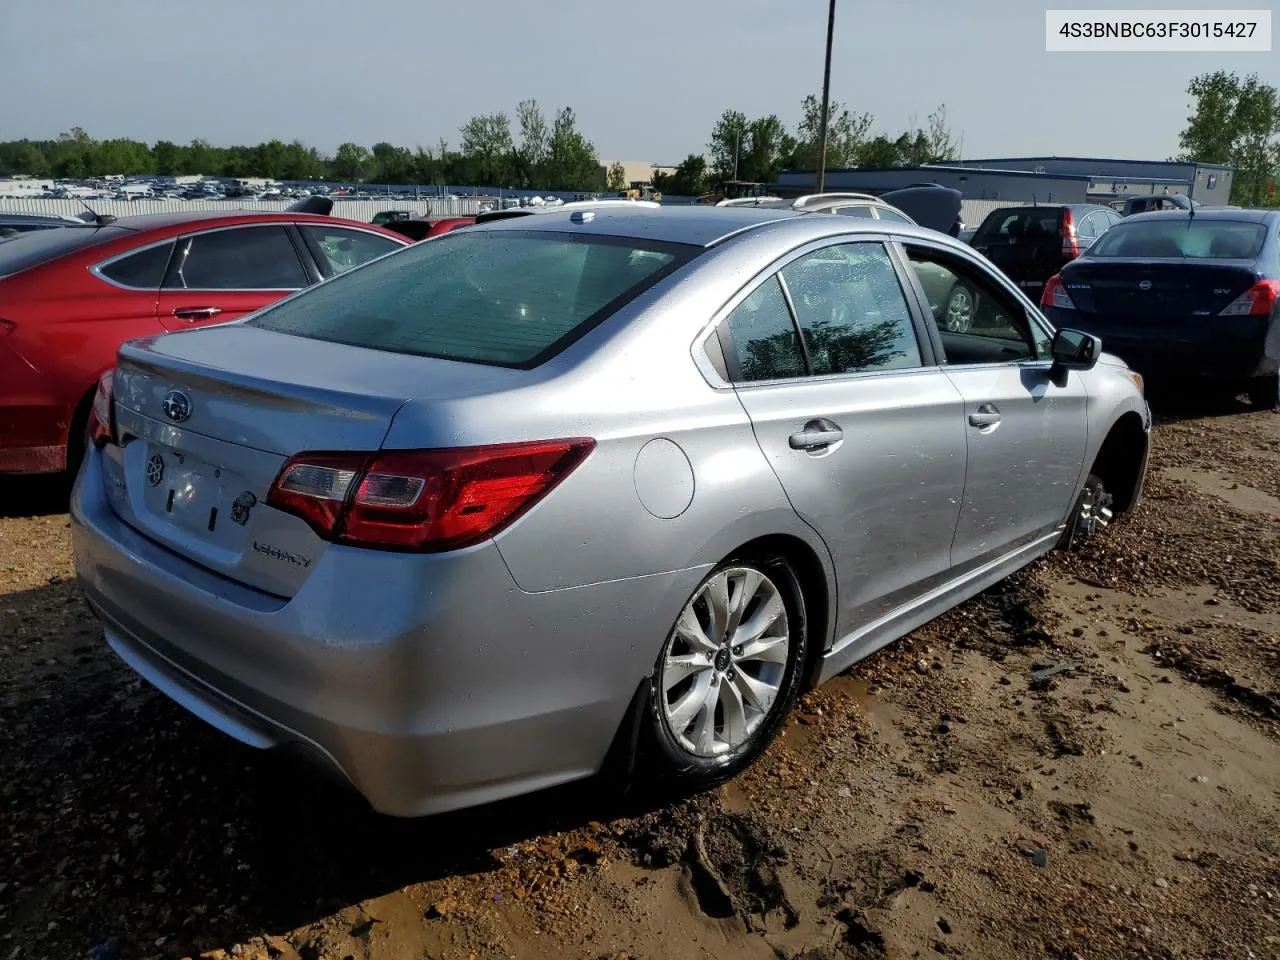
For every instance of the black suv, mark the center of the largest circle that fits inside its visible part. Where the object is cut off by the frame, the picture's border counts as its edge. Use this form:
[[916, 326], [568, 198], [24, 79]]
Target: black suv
[[1031, 244]]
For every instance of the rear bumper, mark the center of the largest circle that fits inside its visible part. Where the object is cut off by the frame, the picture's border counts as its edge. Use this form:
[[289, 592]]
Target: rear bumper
[[1217, 349], [429, 682]]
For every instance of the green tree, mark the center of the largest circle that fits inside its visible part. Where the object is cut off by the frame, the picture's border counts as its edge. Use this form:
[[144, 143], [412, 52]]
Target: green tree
[[846, 132], [392, 164], [269, 159], [617, 177], [23, 157], [168, 158], [689, 179], [302, 162], [351, 162], [571, 163], [486, 141], [1237, 122], [530, 157], [880, 152], [726, 145]]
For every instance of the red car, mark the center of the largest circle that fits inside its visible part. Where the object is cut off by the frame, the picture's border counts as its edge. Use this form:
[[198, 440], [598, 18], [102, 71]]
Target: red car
[[418, 229], [69, 297]]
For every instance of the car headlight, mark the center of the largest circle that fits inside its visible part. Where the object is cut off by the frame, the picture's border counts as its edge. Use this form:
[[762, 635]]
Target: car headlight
[[1138, 382]]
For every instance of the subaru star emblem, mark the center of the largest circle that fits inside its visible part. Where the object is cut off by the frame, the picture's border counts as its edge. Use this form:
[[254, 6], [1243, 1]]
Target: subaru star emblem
[[155, 470], [1144, 284], [176, 406]]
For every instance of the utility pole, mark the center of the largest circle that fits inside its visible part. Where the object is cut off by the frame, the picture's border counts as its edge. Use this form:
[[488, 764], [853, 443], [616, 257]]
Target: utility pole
[[826, 104], [737, 150]]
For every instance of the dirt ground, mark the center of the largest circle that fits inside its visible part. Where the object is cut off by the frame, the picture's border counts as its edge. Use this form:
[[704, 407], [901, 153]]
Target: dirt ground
[[1081, 763]]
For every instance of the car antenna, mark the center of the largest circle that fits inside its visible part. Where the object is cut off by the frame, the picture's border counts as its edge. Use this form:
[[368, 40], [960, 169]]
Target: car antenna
[[99, 219]]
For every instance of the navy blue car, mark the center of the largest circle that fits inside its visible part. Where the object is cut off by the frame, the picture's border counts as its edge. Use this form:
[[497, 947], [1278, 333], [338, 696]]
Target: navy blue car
[[1183, 297]]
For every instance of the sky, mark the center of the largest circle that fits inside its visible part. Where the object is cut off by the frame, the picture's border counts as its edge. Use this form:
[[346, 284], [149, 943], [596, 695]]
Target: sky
[[646, 80]]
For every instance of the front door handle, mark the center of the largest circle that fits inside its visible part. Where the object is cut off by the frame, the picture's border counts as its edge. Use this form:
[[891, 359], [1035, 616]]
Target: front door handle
[[196, 313], [816, 435], [986, 415]]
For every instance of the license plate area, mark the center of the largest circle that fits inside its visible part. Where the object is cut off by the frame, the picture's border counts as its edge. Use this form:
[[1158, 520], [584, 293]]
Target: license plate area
[[192, 495]]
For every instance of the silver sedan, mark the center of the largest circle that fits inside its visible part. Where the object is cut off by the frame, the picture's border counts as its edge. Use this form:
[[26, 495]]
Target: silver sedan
[[478, 516]]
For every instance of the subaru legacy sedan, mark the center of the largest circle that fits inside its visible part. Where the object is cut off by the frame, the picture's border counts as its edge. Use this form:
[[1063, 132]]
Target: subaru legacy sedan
[[491, 512]]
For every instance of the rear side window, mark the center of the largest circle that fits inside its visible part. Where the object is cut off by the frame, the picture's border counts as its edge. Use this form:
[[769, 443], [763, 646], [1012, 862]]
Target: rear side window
[[856, 212], [1027, 223], [851, 310], [764, 336], [244, 258], [504, 298], [142, 270], [1182, 237], [338, 249], [40, 246], [888, 213]]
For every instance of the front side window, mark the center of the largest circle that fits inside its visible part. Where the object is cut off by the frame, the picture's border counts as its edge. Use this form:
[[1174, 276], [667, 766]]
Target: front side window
[[501, 297], [977, 320], [764, 336], [851, 310], [244, 258], [340, 249]]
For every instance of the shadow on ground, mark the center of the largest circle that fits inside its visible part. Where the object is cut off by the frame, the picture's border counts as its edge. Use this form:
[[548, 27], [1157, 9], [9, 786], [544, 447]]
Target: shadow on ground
[[124, 817], [34, 496]]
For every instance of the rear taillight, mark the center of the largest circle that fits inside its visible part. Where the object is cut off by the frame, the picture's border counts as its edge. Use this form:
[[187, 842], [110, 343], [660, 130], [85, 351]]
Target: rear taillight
[[422, 500], [1055, 294], [102, 418], [1258, 301], [1070, 244]]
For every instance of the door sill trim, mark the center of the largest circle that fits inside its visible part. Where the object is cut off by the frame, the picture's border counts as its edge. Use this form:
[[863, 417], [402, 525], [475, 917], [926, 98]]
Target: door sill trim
[[866, 640]]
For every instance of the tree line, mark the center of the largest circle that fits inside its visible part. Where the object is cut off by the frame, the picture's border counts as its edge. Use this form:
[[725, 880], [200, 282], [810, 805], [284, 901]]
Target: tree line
[[757, 150], [1236, 121], [548, 153]]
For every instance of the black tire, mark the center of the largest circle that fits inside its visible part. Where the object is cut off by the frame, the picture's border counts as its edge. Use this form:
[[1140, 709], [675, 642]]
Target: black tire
[[1264, 392], [1092, 493], [663, 753]]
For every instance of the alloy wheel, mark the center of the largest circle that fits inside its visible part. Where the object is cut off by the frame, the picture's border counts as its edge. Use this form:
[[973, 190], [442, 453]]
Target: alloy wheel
[[724, 666]]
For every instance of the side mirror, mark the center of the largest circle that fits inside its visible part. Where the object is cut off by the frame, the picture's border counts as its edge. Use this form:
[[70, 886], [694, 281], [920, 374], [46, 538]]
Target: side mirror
[[1075, 350]]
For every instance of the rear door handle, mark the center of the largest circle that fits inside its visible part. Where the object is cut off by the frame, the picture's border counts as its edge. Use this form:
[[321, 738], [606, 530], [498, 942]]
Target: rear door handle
[[986, 415], [816, 435], [196, 313]]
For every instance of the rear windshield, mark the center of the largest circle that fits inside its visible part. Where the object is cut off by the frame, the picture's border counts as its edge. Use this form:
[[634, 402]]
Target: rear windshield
[[506, 298], [1022, 222], [1182, 237], [37, 246]]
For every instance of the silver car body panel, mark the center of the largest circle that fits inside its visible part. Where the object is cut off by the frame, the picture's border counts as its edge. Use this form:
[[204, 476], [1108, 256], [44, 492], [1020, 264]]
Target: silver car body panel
[[435, 681]]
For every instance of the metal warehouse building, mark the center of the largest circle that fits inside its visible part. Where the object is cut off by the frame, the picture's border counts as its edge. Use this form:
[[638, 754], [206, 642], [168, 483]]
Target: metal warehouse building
[[1034, 179]]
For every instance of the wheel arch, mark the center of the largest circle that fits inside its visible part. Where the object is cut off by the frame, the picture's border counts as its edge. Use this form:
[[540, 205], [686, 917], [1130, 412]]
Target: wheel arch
[[812, 582], [1122, 459]]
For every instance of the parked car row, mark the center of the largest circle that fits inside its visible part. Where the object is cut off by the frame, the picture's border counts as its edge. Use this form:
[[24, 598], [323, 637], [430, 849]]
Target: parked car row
[[70, 296], [558, 488], [1185, 294]]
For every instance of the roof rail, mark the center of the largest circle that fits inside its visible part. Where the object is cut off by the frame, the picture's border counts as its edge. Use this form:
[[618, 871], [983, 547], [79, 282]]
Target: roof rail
[[809, 199], [747, 201]]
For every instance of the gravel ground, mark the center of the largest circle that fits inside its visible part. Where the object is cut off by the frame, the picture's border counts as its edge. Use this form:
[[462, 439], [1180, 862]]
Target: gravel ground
[[954, 795]]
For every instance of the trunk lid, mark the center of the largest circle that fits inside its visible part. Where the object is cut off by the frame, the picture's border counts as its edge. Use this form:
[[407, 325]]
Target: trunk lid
[[207, 419], [1126, 292]]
